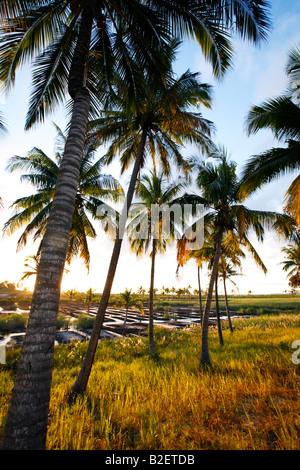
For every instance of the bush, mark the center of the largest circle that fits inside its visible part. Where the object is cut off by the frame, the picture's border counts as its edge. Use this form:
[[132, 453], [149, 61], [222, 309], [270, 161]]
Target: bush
[[62, 322], [11, 322], [84, 322], [250, 311]]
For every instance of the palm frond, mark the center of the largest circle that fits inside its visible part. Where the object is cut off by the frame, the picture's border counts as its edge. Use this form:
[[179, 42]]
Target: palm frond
[[269, 165], [292, 200], [293, 65], [50, 77], [28, 36], [280, 115], [36, 160], [254, 253]]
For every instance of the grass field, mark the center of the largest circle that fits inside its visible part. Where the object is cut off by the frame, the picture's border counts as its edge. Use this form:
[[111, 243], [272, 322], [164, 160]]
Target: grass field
[[257, 304], [249, 399]]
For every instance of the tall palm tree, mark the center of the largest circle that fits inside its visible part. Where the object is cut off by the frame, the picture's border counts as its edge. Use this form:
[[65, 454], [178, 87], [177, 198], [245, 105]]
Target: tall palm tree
[[282, 116], [33, 210], [150, 128], [153, 191], [221, 194], [59, 36]]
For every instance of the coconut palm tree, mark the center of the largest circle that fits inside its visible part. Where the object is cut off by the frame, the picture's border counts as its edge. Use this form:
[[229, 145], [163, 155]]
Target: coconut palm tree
[[282, 116], [33, 210], [71, 294], [226, 271], [58, 36], [292, 263], [222, 195], [145, 231], [89, 295], [183, 256], [230, 259], [231, 252], [130, 300], [149, 128], [141, 291]]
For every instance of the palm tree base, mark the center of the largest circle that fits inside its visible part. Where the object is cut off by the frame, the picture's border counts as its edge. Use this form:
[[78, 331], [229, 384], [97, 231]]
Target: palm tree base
[[204, 363], [153, 354]]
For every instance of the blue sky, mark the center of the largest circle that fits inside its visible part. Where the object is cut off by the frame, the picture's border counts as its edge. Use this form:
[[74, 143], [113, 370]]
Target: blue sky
[[258, 74]]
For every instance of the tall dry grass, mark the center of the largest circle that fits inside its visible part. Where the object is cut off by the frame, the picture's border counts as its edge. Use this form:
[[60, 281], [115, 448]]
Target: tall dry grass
[[248, 400]]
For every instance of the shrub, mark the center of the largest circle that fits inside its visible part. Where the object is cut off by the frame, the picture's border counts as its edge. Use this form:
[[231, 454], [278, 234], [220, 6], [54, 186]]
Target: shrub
[[11, 322], [84, 322], [250, 311], [62, 322]]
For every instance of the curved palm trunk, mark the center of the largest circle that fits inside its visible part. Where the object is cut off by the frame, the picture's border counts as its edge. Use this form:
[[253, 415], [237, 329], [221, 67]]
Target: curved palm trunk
[[26, 425], [204, 357], [227, 307], [151, 297], [81, 382], [200, 296], [218, 313]]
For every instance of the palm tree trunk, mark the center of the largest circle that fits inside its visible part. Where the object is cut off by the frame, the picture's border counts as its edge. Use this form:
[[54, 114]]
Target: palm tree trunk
[[125, 319], [81, 382], [26, 425], [204, 357], [151, 326], [218, 313], [227, 307], [200, 296]]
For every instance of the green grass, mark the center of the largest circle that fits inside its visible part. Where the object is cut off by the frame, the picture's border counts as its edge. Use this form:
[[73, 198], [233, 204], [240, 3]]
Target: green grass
[[249, 399], [260, 304]]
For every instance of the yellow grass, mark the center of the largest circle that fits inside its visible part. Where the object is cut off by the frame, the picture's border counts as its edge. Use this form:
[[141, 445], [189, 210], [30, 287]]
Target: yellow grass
[[248, 400]]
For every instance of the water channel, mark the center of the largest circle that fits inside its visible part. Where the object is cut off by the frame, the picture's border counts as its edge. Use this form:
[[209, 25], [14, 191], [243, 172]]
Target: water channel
[[113, 325]]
